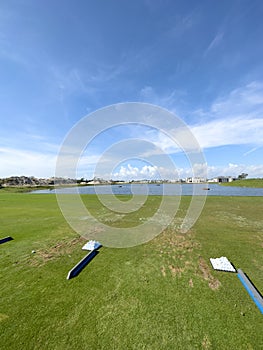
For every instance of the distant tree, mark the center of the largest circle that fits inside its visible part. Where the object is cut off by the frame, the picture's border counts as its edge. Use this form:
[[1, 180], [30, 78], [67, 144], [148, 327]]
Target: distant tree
[[242, 176]]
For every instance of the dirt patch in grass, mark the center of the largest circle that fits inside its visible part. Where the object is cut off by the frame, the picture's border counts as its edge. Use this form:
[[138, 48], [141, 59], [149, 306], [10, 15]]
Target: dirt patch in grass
[[191, 283], [172, 241], [65, 247], [3, 317], [176, 252], [176, 270], [204, 270], [206, 344], [163, 271], [258, 238]]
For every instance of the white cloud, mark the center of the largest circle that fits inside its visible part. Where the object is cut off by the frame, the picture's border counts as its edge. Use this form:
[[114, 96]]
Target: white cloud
[[163, 143], [236, 118], [235, 169], [243, 101], [149, 171], [232, 131], [130, 172], [22, 162], [233, 119], [15, 162]]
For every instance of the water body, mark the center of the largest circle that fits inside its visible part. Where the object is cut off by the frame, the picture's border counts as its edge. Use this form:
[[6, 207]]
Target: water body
[[164, 189]]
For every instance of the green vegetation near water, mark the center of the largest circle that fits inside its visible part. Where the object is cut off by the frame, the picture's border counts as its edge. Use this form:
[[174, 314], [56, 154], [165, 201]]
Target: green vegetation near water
[[160, 295], [258, 183], [23, 189]]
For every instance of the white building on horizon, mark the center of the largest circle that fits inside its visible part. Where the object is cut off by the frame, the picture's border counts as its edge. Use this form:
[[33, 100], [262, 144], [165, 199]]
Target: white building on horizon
[[195, 180], [222, 179]]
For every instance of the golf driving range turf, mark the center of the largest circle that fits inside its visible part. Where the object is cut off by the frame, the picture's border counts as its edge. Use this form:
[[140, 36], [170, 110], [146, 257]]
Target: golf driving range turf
[[163, 294]]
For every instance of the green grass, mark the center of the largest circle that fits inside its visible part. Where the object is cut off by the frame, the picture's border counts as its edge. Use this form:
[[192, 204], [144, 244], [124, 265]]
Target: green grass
[[160, 295], [23, 189], [258, 183]]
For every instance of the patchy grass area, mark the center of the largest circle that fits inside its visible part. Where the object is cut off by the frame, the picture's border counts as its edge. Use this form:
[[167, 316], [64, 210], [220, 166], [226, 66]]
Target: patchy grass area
[[160, 295], [258, 183]]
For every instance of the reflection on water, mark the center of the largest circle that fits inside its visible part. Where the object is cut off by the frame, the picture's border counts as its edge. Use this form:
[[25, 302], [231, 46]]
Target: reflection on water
[[165, 189]]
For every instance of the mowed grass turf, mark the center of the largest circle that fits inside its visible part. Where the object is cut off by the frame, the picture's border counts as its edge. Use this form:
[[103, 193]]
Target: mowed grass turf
[[160, 295], [256, 183]]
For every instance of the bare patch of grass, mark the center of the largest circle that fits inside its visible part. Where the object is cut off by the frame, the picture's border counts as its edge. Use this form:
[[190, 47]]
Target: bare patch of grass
[[213, 282], [176, 270], [65, 247], [3, 317], [206, 344], [163, 271], [177, 252]]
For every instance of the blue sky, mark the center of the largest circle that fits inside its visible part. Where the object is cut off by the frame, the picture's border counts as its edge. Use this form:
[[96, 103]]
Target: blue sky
[[61, 60]]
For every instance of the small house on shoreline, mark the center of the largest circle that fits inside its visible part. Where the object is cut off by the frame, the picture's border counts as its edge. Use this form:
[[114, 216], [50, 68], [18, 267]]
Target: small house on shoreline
[[222, 179]]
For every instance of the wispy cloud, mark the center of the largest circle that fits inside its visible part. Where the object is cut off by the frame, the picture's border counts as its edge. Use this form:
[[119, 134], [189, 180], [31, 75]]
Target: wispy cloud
[[183, 23], [169, 99], [243, 101], [29, 154], [106, 72], [214, 43], [28, 141], [68, 81], [251, 151]]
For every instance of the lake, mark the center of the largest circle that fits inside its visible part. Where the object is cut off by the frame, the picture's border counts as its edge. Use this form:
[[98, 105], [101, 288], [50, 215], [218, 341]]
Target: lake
[[163, 189]]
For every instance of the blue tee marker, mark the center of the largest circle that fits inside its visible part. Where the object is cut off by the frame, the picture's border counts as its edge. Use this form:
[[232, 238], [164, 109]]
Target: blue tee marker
[[251, 289]]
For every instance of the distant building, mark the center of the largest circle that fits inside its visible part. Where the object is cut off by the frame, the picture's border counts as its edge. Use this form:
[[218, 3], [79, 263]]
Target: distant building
[[222, 179], [195, 180]]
